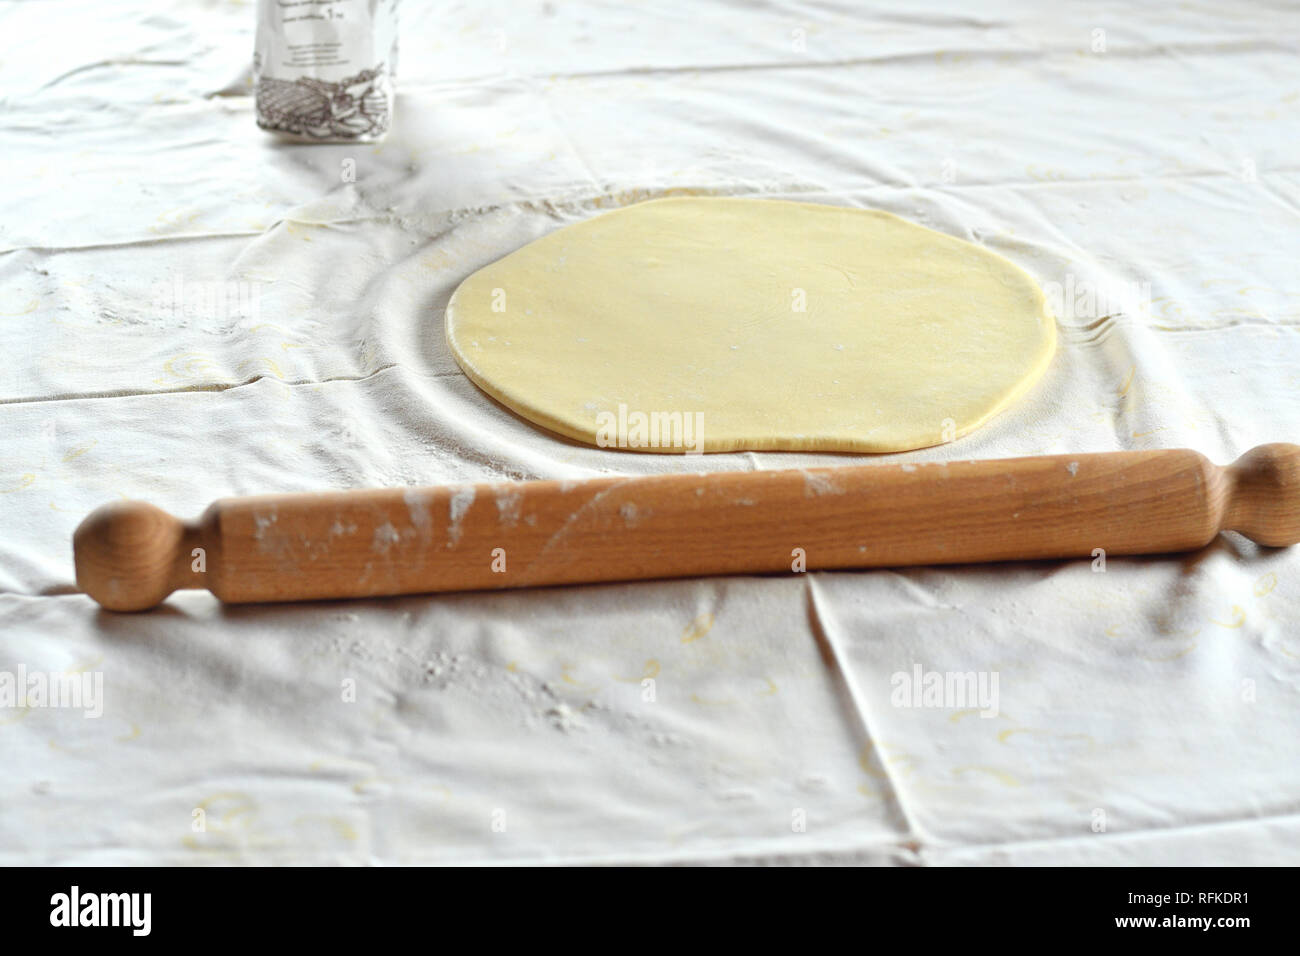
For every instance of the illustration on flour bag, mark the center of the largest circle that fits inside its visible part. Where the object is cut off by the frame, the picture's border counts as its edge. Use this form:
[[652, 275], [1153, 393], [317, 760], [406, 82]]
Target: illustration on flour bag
[[324, 69]]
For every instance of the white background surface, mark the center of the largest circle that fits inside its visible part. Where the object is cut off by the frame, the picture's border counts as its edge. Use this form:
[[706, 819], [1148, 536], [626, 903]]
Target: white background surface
[[130, 158]]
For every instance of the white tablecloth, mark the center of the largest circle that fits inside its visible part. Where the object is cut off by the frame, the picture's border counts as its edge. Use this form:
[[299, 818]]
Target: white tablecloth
[[1148, 714]]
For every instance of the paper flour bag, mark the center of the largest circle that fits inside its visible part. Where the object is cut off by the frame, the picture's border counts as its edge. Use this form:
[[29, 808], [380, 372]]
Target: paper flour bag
[[324, 68]]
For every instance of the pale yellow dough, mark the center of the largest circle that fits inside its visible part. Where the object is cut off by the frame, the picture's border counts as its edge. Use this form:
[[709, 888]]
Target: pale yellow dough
[[774, 325]]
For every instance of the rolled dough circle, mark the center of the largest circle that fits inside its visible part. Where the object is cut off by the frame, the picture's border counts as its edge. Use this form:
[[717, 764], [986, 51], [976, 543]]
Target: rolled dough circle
[[725, 324]]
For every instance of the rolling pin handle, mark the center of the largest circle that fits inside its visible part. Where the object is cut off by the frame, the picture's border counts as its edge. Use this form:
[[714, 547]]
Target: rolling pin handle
[[1264, 496], [130, 555]]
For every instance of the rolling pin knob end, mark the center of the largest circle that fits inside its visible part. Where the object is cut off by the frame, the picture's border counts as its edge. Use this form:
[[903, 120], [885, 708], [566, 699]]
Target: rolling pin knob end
[[1265, 502], [125, 553]]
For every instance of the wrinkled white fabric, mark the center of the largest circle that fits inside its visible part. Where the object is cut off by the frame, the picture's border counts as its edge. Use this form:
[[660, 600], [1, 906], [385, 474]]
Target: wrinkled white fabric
[[1147, 714]]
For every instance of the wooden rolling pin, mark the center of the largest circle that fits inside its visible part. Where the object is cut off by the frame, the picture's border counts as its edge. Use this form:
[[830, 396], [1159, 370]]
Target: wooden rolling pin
[[130, 555]]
